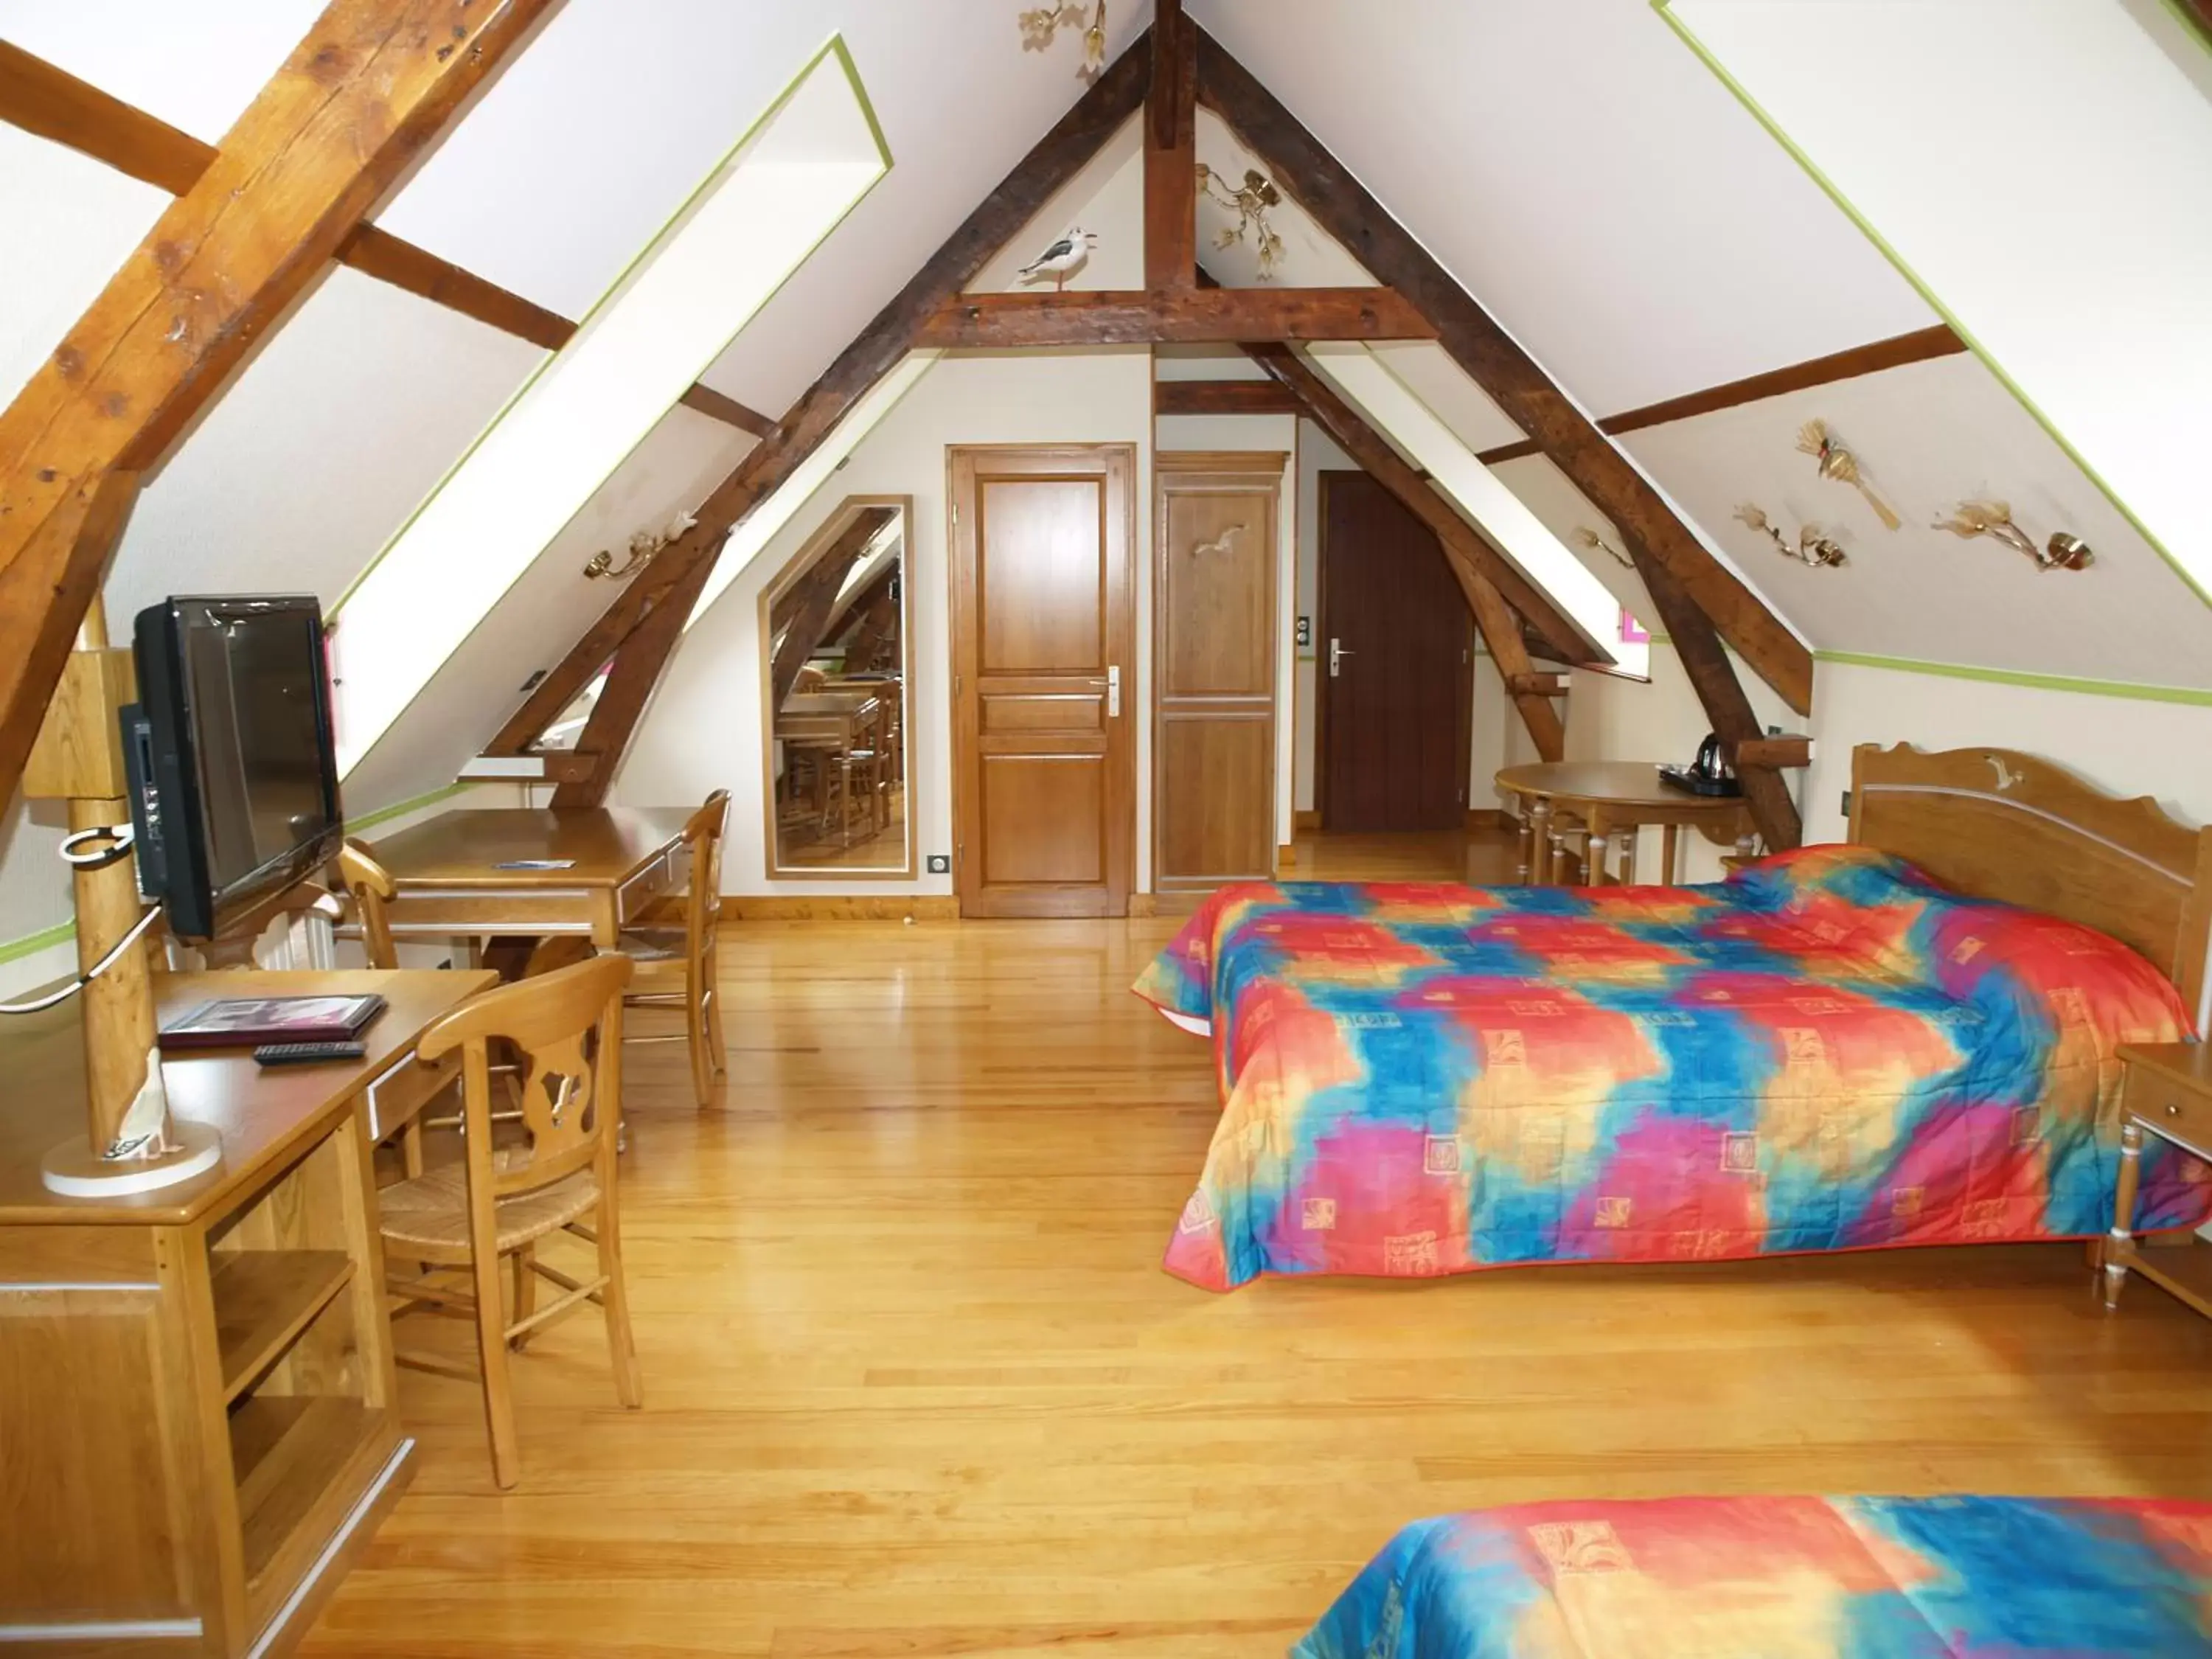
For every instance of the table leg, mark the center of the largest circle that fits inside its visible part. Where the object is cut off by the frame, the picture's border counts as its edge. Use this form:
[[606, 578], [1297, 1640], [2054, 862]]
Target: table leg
[[2124, 1214], [1747, 844], [1667, 838], [1540, 829], [1525, 869], [1626, 841]]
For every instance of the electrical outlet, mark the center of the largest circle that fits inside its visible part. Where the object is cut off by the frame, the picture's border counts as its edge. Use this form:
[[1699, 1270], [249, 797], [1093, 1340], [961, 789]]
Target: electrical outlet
[[940, 864], [1774, 731], [1847, 803], [1305, 631]]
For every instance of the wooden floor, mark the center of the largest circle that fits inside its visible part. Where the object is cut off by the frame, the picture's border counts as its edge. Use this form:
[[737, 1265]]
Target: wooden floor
[[916, 1385]]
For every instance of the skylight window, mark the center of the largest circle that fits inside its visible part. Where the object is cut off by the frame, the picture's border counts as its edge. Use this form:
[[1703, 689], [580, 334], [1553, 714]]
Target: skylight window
[[1475, 488], [781, 190]]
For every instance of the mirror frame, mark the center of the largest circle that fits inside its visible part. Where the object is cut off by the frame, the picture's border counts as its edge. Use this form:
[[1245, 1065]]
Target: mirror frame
[[793, 569]]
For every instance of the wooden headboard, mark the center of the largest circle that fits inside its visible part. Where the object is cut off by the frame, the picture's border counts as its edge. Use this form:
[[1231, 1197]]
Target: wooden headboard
[[1996, 824]]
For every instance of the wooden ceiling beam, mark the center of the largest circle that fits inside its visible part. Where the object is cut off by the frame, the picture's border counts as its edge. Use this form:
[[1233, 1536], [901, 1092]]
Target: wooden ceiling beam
[[1895, 352], [42, 99], [1056, 158], [1174, 317], [354, 105], [1303, 167], [1225, 397], [1171, 153], [1482, 575]]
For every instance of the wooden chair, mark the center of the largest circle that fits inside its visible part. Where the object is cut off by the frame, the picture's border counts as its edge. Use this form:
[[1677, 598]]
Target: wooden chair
[[493, 1206], [370, 887], [306, 910], [678, 967]]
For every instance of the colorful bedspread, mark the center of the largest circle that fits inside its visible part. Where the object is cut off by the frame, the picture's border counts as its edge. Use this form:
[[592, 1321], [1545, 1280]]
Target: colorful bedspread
[[1826, 1052], [1786, 1578]]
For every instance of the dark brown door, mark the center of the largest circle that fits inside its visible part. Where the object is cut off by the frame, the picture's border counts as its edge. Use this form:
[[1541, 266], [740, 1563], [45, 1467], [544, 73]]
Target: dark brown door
[[1044, 702], [1395, 664]]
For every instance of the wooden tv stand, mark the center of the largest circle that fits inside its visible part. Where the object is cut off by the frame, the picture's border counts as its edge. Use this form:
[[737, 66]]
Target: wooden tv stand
[[196, 1384]]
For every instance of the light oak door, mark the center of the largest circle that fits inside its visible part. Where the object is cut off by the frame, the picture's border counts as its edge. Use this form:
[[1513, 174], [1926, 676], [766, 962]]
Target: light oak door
[[1214, 668], [1044, 693]]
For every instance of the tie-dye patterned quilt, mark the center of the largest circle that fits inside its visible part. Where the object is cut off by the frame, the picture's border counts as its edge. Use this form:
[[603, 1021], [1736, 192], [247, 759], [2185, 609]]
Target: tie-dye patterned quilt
[[1826, 1052], [1787, 1579]]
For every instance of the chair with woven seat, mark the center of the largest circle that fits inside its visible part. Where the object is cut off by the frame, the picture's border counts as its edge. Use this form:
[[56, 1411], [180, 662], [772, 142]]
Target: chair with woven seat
[[497, 1203], [677, 966]]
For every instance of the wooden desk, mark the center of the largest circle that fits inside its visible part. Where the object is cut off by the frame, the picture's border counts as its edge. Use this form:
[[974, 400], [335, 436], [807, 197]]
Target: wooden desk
[[207, 1434], [450, 885], [1614, 799]]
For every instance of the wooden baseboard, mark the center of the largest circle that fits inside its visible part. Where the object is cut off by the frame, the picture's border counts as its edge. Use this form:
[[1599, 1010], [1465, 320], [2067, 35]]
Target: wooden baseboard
[[1309, 819], [1484, 818], [840, 906], [1287, 856]]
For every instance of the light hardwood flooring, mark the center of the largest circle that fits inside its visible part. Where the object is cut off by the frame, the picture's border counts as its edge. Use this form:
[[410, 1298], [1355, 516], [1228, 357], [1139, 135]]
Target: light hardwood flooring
[[916, 1384]]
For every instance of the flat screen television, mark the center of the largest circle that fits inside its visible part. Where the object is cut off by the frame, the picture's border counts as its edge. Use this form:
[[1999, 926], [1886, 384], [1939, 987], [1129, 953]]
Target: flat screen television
[[233, 765]]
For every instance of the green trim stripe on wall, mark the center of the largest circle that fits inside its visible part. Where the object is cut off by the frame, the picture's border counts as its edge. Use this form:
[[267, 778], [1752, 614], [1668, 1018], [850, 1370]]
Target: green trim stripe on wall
[[1759, 113], [2186, 696], [16, 949]]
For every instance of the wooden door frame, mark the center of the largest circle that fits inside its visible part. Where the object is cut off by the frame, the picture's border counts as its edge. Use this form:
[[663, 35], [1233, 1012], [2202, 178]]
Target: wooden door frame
[[1042, 461], [1224, 472], [1464, 709]]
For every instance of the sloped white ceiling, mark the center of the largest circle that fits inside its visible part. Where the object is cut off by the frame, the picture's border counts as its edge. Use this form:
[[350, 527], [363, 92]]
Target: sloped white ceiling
[[1928, 436], [71, 223], [316, 454], [1587, 178]]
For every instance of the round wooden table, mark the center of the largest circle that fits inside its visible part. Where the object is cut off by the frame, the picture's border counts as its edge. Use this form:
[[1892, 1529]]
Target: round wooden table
[[1614, 799]]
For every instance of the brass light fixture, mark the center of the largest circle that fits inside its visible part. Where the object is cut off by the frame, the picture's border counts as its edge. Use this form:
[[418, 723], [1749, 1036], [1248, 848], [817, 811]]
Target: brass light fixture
[[1250, 203], [642, 547], [1590, 542], [1041, 25], [1839, 463], [1994, 519], [1812, 547]]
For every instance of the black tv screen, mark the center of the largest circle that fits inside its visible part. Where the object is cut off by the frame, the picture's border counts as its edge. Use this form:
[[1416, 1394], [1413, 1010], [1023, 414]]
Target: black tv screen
[[234, 772]]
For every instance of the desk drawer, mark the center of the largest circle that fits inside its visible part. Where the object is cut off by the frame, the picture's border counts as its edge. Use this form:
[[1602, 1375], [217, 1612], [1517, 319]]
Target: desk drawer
[[2165, 1108], [399, 1092], [636, 896]]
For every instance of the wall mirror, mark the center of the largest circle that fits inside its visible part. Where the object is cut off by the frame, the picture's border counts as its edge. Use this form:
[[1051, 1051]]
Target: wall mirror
[[835, 629]]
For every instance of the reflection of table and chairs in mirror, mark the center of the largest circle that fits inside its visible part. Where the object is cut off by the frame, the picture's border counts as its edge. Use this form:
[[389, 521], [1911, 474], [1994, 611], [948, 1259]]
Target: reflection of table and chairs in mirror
[[835, 681]]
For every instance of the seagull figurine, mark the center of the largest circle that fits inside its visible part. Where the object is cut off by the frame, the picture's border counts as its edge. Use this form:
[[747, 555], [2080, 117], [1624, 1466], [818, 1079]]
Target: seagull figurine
[[1062, 258]]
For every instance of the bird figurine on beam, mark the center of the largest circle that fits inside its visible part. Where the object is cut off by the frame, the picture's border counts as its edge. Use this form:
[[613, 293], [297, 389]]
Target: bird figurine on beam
[[1063, 259]]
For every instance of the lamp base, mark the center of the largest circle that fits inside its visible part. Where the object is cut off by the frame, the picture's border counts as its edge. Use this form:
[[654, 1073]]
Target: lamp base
[[73, 1170]]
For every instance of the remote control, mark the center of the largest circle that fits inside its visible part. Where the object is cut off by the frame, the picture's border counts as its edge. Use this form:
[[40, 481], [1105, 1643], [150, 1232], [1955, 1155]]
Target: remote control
[[305, 1053]]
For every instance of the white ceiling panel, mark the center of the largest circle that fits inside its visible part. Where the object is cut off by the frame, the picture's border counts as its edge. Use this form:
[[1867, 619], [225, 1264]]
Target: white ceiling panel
[[546, 610], [1565, 511], [196, 66], [315, 456], [1927, 436], [71, 223], [1587, 178]]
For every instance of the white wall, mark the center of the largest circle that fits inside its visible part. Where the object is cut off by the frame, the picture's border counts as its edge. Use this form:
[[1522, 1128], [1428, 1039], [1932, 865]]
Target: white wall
[[703, 729]]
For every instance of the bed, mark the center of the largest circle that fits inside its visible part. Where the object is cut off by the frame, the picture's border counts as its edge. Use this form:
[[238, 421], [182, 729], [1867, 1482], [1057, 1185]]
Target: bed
[[1786, 1578], [1908, 1039]]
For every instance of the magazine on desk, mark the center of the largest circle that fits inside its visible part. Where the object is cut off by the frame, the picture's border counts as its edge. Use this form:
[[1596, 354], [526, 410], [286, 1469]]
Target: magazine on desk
[[248, 1022]]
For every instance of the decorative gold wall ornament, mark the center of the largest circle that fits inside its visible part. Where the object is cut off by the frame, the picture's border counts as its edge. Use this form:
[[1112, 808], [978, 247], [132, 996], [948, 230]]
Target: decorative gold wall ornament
[[1994, 519], [1251, 203], [1839, 463], [1812, 548], [1590, 541], [642, 547], [1041, 25]]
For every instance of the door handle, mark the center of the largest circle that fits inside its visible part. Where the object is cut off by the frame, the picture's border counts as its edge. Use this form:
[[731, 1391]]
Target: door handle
[[1337, 654], [1114, 693]]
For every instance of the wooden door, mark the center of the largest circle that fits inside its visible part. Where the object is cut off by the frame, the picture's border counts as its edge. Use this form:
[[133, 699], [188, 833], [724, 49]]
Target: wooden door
[[1395, 667], [1043, 609], [1213, 668]]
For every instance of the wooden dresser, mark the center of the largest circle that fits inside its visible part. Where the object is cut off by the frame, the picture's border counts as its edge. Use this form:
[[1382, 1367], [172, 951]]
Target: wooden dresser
[[196, 1389]]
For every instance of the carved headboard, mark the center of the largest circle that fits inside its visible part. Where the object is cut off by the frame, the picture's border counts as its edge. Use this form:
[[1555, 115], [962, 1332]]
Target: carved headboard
[[1996, 824]]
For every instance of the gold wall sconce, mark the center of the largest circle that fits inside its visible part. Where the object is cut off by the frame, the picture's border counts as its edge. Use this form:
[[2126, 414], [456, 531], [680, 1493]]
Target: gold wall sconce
[[1250, 203], [1838, 463], [642, 547], [1994, 519], [1040, 24], [1811, 548], [1590, 542]]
